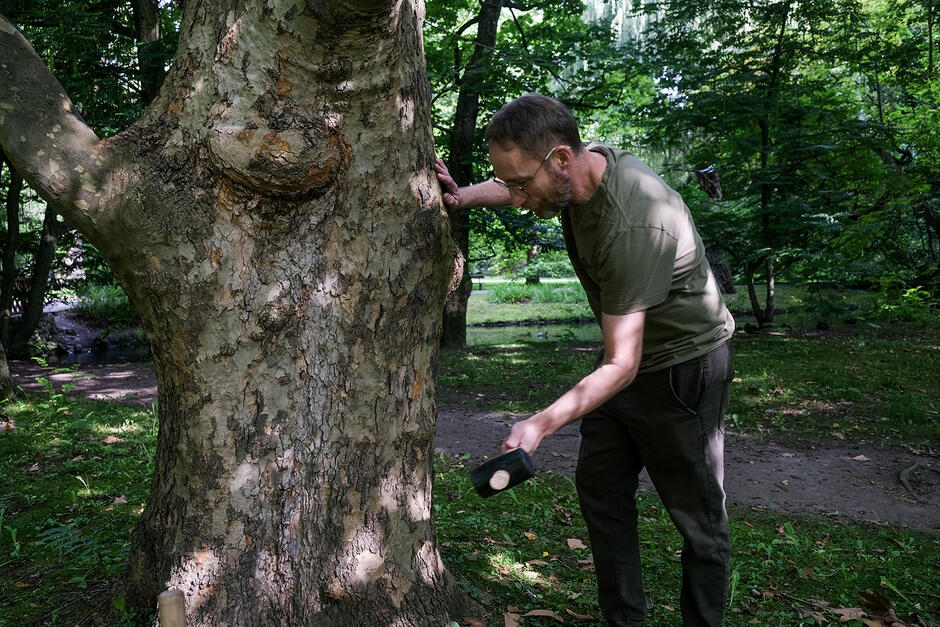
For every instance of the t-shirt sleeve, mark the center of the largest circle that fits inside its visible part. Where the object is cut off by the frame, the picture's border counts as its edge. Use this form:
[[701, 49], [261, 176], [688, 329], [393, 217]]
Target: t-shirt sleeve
[[635, 270]]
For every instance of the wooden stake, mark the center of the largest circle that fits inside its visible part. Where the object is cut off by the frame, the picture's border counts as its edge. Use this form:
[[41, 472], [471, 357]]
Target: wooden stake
[[171, 606]]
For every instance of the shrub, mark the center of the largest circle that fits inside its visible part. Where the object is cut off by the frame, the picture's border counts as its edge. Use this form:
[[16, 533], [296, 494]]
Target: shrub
[[514, 293], [106, 304]]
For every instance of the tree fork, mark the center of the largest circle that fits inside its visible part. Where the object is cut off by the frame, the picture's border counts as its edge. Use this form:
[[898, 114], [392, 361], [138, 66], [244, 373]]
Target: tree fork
[[275, 219]]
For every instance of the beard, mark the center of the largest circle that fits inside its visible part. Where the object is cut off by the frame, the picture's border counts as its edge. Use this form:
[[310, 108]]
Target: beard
[[558, 198]]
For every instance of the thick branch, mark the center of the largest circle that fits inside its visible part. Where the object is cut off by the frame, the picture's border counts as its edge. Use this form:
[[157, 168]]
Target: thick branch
[[42, 135]]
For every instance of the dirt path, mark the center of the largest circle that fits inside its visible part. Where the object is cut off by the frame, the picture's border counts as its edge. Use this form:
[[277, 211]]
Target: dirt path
[[834, 479]]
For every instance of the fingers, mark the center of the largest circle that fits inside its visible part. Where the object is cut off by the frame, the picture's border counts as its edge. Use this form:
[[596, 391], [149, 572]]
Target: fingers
[[525, 435], [443, 175]]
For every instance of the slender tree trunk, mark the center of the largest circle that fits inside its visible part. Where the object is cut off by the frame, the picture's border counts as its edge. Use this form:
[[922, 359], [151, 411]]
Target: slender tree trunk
[[721, 270], [8, 280], [765, 315], [6, 380], [6, 287], [771, 290], [460, 162], [930, 21], [149, 53], [275, 219], [758, 311], [38, 282]]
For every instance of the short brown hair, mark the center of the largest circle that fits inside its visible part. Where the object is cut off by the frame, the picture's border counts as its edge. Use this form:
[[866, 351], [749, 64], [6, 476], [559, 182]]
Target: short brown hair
[[535, 123]]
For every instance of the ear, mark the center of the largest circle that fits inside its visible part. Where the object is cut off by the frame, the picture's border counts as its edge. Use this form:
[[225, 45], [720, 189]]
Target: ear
[[563, 156]]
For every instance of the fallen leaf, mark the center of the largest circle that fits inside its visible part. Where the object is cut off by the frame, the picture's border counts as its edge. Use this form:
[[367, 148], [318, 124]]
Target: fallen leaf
[[120, 500], [33, 468], [810, 573], [111, 439], [78, 458], [511, 620], [861, 458], [848, 613], [548, 613], [512, 608], [574, 543], [537, 563], [579, 616], [531, 536]]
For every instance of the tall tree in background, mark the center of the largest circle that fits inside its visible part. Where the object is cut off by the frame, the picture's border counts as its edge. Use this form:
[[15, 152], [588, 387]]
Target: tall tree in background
[[817, 116], [275, 219], [481, 54], [751, 85]]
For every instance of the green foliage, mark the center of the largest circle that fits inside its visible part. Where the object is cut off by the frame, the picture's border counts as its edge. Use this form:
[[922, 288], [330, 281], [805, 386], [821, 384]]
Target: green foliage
[[104, 304], [555, 292], [546, 47], [815, 116]]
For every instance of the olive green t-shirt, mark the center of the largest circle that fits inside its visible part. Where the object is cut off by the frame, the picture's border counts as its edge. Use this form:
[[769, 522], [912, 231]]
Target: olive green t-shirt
[[634, 246]]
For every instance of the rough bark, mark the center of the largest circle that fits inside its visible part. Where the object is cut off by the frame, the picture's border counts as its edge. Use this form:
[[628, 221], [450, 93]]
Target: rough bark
[[275, 219], [460, 162]]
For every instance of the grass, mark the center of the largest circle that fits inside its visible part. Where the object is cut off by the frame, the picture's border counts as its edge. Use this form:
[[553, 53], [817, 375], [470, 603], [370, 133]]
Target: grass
[[74, 477], [867, 386], [870, 382], [527, 549], [506, 301]]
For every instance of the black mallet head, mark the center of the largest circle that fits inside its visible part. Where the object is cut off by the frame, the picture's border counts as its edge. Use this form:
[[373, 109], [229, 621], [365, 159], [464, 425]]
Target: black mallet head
[[501, 473]]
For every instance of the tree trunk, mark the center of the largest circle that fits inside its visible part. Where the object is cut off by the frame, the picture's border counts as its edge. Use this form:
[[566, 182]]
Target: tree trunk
[[8, 280], [275, 219], [930, 22], [460, 163], [722, 271], [763, 315], [38, 283], [149, 53], [6, 380]]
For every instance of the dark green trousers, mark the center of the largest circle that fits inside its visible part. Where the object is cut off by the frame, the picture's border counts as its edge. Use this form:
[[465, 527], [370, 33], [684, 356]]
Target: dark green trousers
[[671, 422]]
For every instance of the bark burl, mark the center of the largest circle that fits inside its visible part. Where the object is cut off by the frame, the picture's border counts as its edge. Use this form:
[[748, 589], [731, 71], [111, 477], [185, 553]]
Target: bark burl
[[276, 221]]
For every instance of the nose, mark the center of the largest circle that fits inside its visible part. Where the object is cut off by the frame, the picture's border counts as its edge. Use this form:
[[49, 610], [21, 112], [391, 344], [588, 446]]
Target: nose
[[517, 197]]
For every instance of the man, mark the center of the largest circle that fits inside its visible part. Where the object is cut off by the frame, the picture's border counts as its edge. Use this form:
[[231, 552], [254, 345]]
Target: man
[[658, 395]]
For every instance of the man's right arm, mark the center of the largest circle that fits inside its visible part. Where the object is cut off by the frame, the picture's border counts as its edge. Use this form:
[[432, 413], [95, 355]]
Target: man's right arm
[[485, 194]]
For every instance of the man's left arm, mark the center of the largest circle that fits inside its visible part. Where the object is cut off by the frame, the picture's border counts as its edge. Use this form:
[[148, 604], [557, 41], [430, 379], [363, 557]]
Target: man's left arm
[[623, 348]]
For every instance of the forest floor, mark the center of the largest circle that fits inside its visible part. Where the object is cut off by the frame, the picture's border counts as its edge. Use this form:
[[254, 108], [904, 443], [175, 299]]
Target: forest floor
[[832, 478]]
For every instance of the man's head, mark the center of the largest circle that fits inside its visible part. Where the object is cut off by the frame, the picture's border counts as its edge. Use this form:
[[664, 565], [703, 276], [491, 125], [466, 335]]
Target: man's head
[[535, 124], [532, 141]]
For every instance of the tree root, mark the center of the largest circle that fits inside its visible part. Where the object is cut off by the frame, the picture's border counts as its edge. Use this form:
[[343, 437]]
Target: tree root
[[905, 478]]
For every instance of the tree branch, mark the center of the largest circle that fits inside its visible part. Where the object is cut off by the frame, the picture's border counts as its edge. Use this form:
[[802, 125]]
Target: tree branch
[[42, 134]]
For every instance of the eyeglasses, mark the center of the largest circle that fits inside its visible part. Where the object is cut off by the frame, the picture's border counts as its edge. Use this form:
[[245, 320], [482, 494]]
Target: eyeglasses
[[520, 187]]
